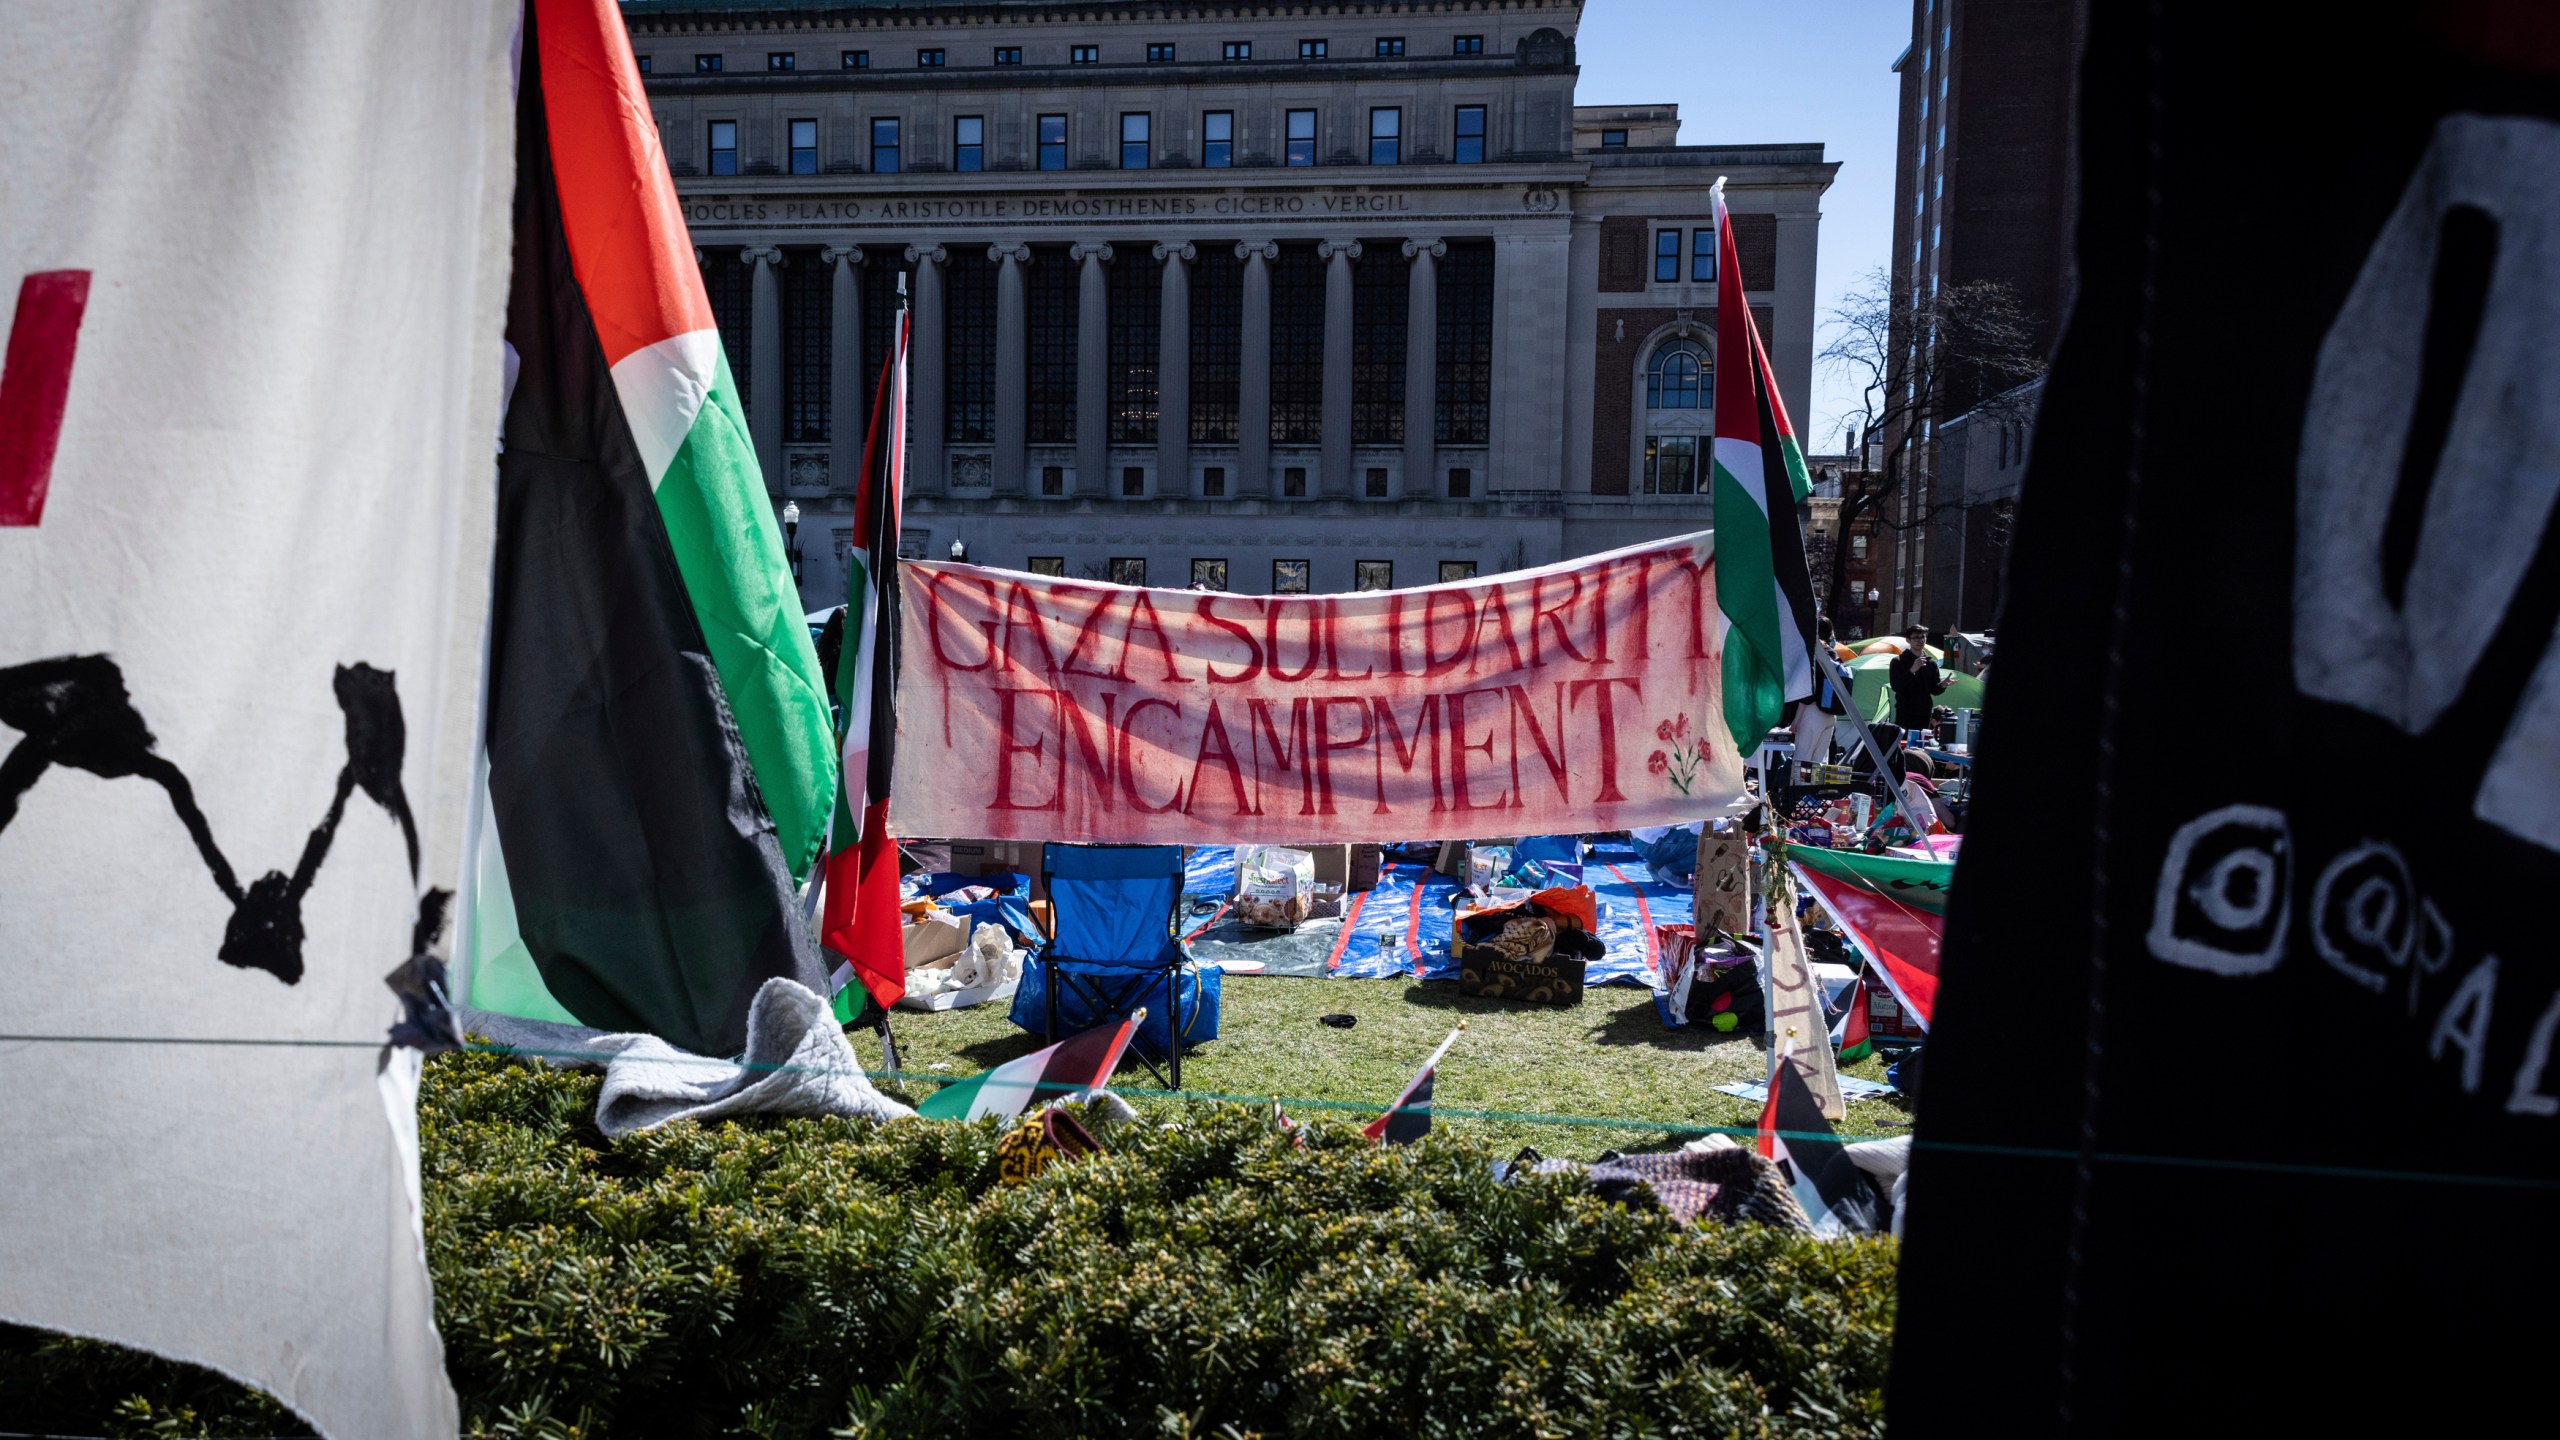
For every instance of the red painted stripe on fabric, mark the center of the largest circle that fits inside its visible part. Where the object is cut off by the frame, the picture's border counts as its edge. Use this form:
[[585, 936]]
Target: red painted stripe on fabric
[[35, 382], [1644, 917], [626, 232], [1413, 925], [1350, 918], [1212, 920]]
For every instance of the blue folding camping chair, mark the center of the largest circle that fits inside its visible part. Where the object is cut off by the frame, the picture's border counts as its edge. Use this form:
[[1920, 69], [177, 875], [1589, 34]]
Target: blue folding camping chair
[[1114, 948]]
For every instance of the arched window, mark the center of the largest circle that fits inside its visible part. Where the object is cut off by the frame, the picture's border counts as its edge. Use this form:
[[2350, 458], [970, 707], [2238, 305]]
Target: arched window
[[1680, 378]]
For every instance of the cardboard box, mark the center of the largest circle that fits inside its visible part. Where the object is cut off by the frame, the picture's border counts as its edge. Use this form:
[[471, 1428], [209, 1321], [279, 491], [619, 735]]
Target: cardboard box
[[1485, 971], [1333, 864], [1365, 862]]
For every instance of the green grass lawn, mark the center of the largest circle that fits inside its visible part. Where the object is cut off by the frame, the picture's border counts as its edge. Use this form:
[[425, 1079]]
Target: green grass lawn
[[1606, 1059]]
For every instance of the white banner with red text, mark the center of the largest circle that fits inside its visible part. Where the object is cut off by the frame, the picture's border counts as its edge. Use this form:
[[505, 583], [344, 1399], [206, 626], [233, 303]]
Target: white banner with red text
[[1579, 697]]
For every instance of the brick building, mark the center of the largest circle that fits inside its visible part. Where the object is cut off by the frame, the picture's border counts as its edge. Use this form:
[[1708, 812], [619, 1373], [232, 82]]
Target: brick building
[[1985, 189], [1298, 296]]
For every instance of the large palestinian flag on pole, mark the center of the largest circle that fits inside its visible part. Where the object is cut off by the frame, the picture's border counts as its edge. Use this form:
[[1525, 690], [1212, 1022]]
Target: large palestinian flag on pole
[[659, 761], [1763, 589], [1894, 910], [859, 923]]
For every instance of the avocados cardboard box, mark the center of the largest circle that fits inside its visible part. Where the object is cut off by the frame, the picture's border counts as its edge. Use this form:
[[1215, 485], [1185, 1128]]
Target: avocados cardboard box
[[1549, 975]]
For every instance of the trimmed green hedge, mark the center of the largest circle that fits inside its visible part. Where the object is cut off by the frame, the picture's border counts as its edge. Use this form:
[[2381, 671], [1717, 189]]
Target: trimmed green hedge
[[797, 1278]]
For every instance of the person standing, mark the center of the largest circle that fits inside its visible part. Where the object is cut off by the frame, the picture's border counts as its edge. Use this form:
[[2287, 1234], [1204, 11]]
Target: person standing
[[1916, 681], [1813, 717]]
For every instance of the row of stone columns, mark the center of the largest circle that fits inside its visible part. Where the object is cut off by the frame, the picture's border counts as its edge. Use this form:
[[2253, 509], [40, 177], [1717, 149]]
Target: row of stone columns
[[849, 395]]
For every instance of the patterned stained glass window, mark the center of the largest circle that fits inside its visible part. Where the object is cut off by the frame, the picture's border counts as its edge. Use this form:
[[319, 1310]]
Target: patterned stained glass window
[[1288, 577], [1051, 293], [1047, 565], [1137, 299], [1217, 343], [1373, 574], [732, 287], [1379, 288], [1465, 404], [1297, 346], [969, 359], [808, 322], [1208, 574], [1128, 570]]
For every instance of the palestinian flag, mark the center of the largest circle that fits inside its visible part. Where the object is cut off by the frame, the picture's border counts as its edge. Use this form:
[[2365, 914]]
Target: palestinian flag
[[859, 923], [1851, 1037], [658, 757], [1409, 1119], [1893, 910], [1762, 586], [1827, 1183], [1079, 1062]]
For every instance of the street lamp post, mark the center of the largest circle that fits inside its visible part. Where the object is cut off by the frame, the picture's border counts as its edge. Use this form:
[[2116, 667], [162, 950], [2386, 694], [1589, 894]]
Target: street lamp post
[[959, 551], [791, 536]]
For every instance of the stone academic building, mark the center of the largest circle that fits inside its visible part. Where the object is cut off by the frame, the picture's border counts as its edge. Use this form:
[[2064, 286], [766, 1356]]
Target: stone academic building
[[1290, 295]]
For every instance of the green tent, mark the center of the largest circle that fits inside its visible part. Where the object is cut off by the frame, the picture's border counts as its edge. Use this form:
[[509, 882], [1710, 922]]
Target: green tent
[[1875, 700]]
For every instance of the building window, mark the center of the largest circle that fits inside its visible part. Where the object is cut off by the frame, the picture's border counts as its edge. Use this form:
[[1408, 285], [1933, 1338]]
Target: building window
[[1054, 565], [857, 59], [1297, 347], [969, 346], [1133, 140], [1128, 570], [1463, 409], [928, 59], [1053, 481], [643, 62], [1857, 547], [969, 143], [1374, 482], [1680, 378], [1373, 574], [1208, 574], [880, 308], [730, 287], [1133, 481], [1666, 257], [1218, 139], [1671, 464], [1302, 138], [781, 60], [1702, 255], [1390, 47], [706, 64], [1288, 577], [1453, 571], [1053, 142], [1217, 345], [1386, 135], [1008, 54], [1310, 49], [1239, 50], [1469, 149], [1084, 55], [724, 147], [884, 147], [1053, 295], [1380, 290], [1613, 139], [1159, 54], [1467, 45], [1213, 485], [1293, 482], [808, 320], [1132, 336], [804, 147], [1462, 483]]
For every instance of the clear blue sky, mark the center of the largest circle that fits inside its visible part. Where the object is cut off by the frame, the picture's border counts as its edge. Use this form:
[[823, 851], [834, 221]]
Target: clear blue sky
[[1748, 72]]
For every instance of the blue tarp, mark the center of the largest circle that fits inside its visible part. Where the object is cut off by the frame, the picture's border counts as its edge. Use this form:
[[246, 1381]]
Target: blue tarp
[[1400, 931]]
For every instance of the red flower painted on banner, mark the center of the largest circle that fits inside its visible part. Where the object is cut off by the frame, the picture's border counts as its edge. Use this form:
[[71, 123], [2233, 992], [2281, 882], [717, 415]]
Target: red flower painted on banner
[[1662, 732], [1686, 757], [1657, 763], [1681, 730]]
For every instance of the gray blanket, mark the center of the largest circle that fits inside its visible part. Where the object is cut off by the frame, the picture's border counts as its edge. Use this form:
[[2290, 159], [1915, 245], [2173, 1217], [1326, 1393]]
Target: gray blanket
[[797, 1063]]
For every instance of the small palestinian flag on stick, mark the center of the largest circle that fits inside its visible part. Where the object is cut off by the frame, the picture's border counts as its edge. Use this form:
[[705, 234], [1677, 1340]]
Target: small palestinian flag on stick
[[1851, 1037], [1409, 1119], [1827, 1183], [1079, 1062]]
